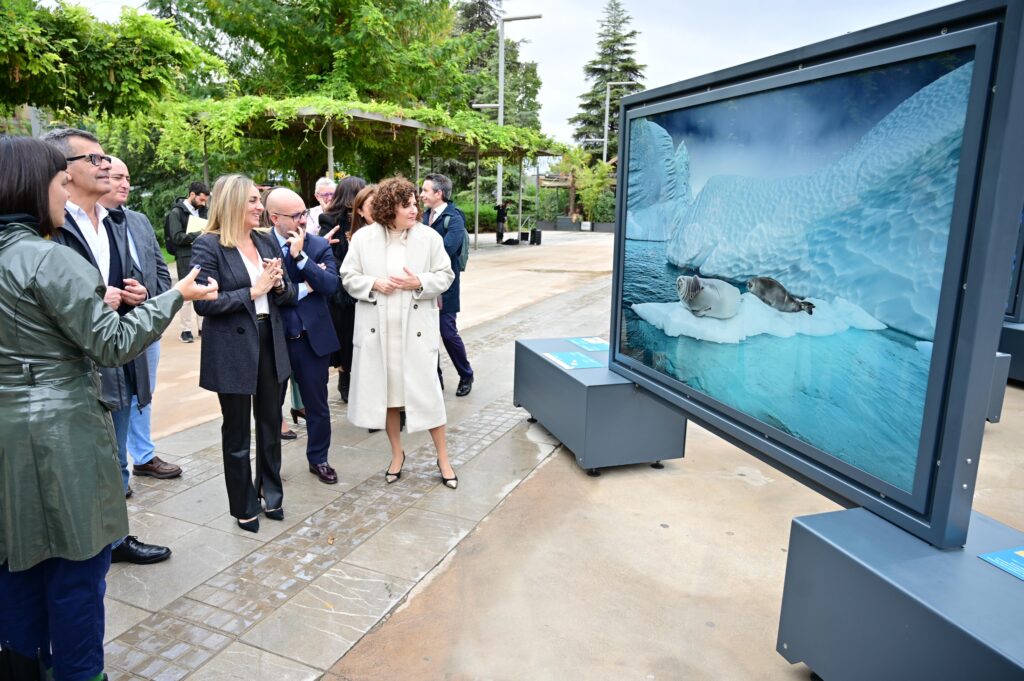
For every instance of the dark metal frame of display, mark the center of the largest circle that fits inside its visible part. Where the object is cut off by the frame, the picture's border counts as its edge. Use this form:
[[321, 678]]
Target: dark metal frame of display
[[1015, 300], [972, 304]]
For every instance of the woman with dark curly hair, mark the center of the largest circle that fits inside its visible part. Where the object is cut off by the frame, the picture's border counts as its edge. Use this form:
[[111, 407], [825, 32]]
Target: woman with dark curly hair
[[396, 270]]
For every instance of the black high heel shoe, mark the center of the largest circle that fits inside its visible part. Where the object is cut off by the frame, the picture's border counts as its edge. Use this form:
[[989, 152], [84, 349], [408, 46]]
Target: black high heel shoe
[[298, 414], [249, 525], [390, 477], [274, 513], [344, 382], [450, 483]]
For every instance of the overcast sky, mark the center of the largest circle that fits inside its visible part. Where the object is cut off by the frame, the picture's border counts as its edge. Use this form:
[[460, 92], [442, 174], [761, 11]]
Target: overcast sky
[[678, 39]]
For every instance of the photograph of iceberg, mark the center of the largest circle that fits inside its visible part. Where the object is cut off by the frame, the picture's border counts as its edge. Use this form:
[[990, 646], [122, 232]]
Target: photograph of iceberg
[[785, 251]]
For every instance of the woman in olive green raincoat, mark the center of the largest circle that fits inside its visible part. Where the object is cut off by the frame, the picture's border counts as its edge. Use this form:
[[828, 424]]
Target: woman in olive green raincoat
[[61, 496]]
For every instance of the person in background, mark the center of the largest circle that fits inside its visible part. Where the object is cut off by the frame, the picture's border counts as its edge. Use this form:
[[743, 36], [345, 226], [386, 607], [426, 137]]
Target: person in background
[[179, 242], [324, 192], [396, 270], [450, 223], [63, 501], [501, 209], [244, 358], [337, 220], [147, 257]]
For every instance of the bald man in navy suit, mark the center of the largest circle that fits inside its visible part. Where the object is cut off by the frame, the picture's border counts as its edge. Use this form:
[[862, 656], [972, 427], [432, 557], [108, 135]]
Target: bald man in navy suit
[[309, 333]]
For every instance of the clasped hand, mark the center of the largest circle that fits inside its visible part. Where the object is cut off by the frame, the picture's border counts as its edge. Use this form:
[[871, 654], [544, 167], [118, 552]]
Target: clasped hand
[[132, 294], [410, 282], [272, 277]]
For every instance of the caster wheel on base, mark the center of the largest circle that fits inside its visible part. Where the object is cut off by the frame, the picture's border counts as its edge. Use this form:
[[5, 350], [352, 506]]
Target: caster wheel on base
[[593, 472], [531, 420], [657, 464]]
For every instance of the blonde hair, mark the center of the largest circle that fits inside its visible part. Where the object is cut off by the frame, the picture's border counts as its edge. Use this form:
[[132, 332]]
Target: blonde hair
[[228, 203]]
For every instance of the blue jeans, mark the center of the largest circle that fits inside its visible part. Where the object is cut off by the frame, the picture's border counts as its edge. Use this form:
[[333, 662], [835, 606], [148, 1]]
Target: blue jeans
[[140, 442], [56, 607]]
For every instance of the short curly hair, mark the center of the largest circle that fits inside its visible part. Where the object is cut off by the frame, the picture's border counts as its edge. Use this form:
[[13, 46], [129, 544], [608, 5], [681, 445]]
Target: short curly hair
[[392, 194]]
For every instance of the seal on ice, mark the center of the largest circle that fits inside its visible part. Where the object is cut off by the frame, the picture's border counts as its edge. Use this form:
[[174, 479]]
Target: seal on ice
[[774, 294], [708, 297]]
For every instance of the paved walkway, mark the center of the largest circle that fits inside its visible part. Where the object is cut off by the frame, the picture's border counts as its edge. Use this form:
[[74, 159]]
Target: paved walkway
[[291, 600], [530, 570]]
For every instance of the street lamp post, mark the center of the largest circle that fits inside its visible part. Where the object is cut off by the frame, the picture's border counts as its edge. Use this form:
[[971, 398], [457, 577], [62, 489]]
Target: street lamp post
[[607, 101], [501, 84]]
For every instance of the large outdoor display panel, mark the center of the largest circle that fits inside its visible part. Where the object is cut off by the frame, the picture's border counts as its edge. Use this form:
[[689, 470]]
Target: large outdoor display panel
[[794, 244]]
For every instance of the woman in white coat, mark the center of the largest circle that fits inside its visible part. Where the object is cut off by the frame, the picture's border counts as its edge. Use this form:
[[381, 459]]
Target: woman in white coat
[[397, 269]]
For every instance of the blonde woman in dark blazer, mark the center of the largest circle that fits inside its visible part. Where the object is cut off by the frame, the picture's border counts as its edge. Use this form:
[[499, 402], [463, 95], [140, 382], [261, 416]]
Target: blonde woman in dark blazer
[[396, 270], [244, 357]]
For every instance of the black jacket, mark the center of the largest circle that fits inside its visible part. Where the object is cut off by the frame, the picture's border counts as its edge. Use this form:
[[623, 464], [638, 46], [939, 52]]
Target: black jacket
[[179, 241]]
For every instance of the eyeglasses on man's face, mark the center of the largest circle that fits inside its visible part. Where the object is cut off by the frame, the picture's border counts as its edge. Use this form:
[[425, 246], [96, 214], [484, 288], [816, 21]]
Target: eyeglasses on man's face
[[95, 159], [325, 195], [294, 216]]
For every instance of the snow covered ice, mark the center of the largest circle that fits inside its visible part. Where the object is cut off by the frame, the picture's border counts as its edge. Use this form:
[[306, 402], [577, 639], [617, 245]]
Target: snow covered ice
[[755, 318]]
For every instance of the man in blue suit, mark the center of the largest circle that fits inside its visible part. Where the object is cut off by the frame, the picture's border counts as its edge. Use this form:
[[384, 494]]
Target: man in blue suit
[[450, 223], [310, 334]]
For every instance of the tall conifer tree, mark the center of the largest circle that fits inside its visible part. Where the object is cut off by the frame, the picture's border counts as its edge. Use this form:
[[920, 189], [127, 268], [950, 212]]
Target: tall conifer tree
[[615, 61]]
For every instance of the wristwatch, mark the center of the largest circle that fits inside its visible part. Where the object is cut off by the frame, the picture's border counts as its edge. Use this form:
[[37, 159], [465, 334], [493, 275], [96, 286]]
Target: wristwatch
[[300, 257]]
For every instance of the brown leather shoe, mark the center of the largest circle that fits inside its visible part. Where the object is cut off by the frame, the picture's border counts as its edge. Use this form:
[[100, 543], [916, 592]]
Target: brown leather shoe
[[324, 472], [157, 468]]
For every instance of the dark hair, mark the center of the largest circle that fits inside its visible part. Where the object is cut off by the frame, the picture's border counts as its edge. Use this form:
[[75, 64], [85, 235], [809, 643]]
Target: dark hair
[[344, 195], [27, 166], [392, 194], [61, 138], [358, 221], [442, 184], [198, 188]]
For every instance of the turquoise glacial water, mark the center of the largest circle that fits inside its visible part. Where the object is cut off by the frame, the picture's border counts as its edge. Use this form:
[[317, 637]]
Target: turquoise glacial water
[[857, 395]]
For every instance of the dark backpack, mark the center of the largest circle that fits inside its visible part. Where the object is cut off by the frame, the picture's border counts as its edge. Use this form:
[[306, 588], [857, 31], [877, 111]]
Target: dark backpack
[[463, 257], [168, 244]]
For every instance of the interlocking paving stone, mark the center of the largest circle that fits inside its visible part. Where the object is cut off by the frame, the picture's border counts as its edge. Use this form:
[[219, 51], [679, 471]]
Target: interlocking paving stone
[[163, 647]]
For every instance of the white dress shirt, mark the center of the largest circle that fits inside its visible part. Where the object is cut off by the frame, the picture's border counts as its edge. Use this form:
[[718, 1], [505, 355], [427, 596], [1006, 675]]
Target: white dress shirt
[[262, 306], [95, 236]]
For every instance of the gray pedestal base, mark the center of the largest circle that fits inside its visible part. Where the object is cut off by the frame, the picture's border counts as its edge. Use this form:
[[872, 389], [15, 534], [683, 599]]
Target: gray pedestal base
[[866, 600], [604, 419], [1012, 343]]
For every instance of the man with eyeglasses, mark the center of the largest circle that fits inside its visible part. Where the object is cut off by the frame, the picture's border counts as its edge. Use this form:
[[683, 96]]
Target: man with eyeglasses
[[308, 329], [179, 243], [89, 231], [324, 192], [147, 257]]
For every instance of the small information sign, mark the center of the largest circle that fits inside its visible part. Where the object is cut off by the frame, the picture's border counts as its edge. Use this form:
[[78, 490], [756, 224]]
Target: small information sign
[[573, 360]]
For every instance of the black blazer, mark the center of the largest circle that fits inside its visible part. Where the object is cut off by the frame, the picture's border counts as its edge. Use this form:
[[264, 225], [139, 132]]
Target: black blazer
[[230, 352]]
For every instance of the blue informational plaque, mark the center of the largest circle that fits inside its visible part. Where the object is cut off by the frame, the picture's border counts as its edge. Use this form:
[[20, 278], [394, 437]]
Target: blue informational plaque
[[1010, 560], [590, 344], [573, 360]]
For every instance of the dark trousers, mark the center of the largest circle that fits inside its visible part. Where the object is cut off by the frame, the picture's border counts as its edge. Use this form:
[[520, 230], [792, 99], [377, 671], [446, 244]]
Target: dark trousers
[[56, 608], [454, 345], [243, 495], [310, 373]]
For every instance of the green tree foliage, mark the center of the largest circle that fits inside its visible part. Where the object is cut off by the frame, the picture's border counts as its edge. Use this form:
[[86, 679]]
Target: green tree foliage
[[65, 60], [372, 50], [615, 62], [572, 163], [595, 188], [478, 15]]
